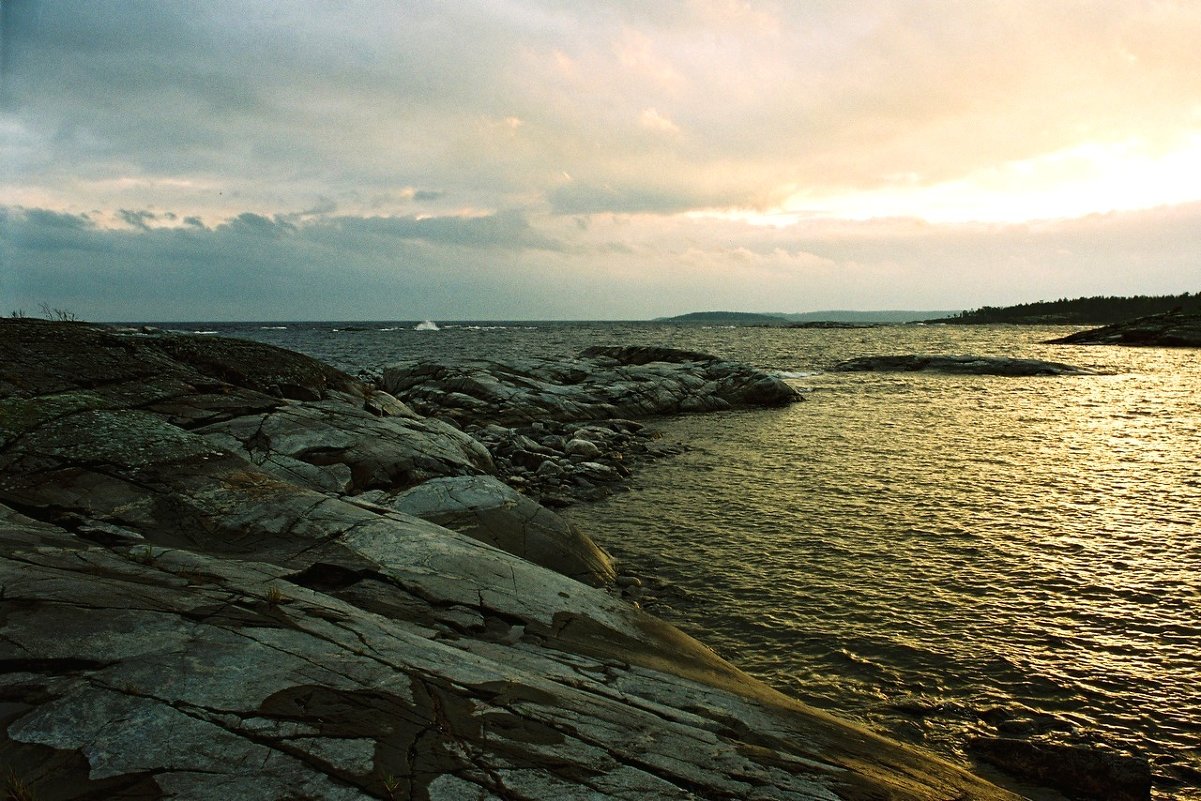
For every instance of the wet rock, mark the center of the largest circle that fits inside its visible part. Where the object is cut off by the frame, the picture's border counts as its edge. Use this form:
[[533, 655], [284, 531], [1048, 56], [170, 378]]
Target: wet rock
[[1079, 771], [554, 476], [959, 365]]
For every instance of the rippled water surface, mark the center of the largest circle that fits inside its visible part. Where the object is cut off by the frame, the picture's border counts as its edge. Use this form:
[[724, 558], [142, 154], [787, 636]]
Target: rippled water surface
[[935, 555]]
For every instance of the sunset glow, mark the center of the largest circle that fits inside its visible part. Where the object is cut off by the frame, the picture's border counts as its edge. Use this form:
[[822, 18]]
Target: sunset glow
[[1086, 179], [564, 146]]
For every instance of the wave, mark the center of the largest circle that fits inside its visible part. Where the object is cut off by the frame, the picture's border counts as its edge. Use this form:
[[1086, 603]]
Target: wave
[[427, 325], [494, 327], [273, 328], [795, 373]]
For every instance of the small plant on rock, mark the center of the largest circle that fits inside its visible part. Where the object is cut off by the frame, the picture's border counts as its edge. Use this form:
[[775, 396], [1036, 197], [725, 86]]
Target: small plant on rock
[[275, 596], [15, 788], [55, 313]]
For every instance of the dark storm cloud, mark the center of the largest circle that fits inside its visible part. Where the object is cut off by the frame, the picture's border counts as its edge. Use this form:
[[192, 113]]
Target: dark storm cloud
[[506, 230], [105, 79], [254, 267]]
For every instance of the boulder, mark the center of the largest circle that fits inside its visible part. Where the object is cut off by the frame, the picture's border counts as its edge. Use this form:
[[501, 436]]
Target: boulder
[[582, 447], [484, 508]]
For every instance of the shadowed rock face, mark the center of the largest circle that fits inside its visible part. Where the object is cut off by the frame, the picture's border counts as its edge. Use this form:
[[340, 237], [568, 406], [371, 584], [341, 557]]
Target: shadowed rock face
[[179, 620], [1174, 329], [957, 365]]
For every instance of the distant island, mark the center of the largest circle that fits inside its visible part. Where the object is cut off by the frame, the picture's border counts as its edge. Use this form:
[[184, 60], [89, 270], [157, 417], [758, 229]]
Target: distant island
[[829, 316], [1174, 329], [1099, 310], [725, 318]]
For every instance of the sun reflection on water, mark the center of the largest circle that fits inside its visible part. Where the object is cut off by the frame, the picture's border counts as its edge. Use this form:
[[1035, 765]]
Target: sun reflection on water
[[944, 556]]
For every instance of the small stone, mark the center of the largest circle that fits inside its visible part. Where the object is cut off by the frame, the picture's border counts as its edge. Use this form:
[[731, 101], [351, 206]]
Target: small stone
[[582, 447]]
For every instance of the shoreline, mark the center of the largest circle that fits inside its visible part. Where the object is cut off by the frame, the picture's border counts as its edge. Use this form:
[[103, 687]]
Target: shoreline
[[217, 482]]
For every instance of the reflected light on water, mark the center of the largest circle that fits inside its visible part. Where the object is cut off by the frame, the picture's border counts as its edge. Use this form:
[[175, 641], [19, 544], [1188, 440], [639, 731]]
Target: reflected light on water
[[945, 556]]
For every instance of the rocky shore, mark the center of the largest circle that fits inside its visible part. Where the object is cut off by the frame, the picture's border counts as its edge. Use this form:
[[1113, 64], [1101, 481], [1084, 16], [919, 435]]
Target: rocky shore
[[957, 365], [561, 430], [230, 571], [1176, 329]]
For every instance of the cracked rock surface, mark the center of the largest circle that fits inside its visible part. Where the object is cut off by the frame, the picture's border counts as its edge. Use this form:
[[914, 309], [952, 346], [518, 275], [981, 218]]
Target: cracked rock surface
[[185, 614]]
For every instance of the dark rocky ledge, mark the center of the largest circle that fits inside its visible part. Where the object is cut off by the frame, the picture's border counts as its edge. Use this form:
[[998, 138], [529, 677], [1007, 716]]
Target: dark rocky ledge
[[957, 365], [1174, 329], [203, 597]]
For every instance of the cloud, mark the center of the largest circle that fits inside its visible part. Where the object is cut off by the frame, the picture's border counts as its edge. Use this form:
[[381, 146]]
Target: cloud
[[581, 198], [618, 266], [535, 147], [652, 120], [254, 267], [283, 104]]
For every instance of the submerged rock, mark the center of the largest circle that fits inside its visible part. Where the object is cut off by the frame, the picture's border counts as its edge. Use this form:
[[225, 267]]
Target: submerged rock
[[182, 620], [960, 365], [1079, 771], [1173, 329]]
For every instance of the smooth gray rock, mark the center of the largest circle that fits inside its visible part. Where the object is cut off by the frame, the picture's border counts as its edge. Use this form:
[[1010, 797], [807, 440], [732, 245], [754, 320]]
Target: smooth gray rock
[[581, 447], [486, 509], [357, 450]]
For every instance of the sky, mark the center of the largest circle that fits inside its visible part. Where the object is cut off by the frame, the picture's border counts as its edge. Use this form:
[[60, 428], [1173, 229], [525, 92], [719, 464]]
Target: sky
[[520, 159]]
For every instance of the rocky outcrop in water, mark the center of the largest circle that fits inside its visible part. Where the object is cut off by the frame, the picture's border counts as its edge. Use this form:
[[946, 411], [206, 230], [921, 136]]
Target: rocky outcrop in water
[[603, 383], [202, 597], [560, 429], [1174, 329], [957, 365]]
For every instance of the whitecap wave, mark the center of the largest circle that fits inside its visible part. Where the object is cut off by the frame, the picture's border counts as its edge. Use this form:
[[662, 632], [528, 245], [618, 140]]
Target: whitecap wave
[[795, 373], [426, 325], [273, 328]]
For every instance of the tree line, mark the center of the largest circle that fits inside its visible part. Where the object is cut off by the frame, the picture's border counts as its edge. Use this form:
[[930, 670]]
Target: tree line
[[1098, 310]]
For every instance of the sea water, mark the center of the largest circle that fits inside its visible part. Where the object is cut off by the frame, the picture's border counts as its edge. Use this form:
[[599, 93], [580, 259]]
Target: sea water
[[937, 556]]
